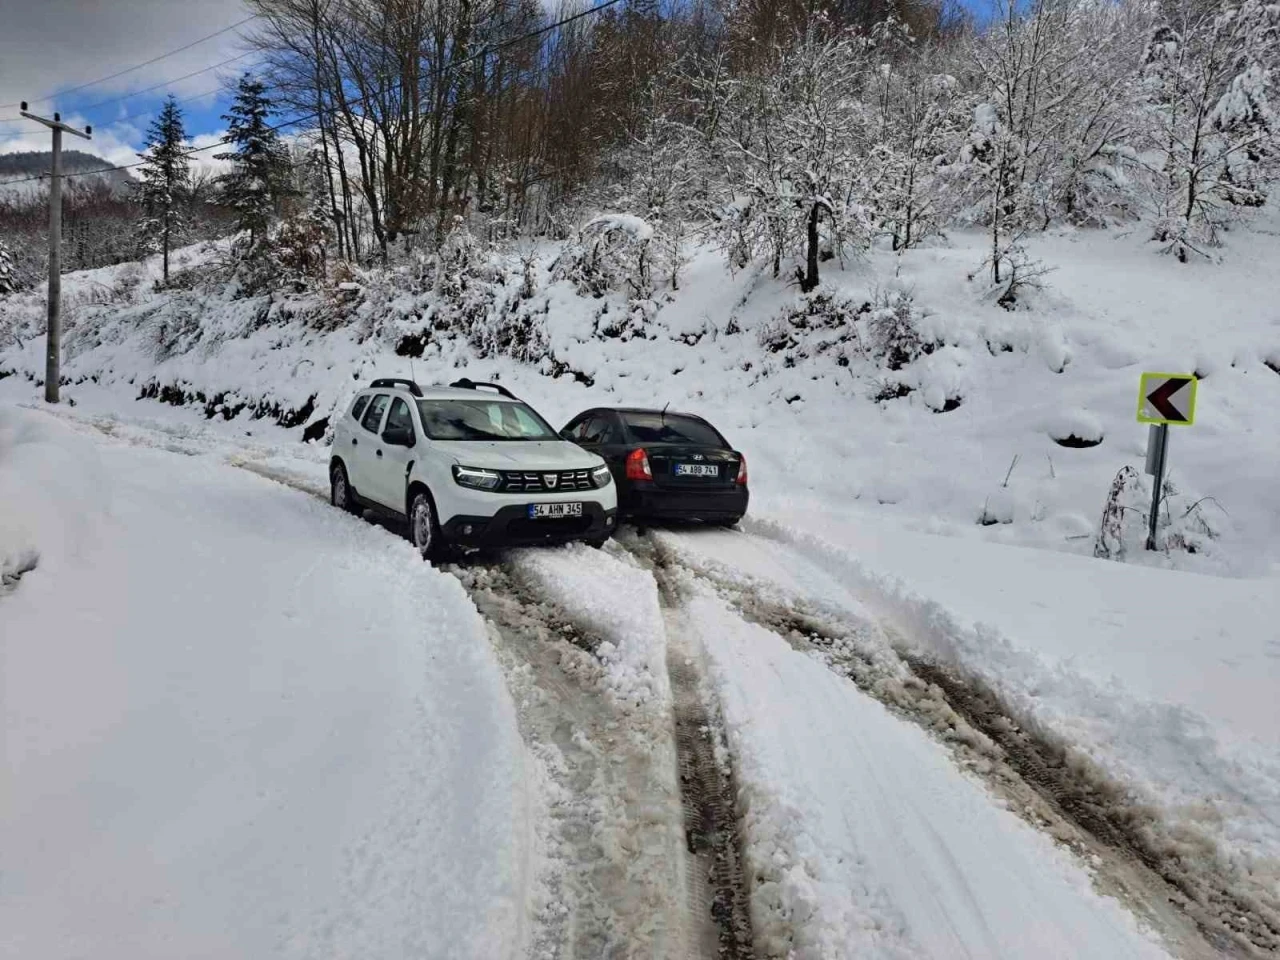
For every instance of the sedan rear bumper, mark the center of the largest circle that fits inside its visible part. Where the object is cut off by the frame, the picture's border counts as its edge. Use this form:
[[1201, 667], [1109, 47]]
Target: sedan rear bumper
[[512, 527], [656, 503]]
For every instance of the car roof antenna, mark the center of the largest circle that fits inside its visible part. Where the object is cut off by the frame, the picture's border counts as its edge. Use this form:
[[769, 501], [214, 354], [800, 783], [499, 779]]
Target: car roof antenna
[[412, 375], [664, 412]]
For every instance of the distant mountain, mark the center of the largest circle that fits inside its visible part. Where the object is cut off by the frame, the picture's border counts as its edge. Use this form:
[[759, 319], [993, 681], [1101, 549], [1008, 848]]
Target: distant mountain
[[21, 166]]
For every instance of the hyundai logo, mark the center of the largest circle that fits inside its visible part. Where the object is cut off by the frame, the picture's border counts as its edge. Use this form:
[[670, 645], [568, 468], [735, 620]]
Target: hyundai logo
[[550, 479]]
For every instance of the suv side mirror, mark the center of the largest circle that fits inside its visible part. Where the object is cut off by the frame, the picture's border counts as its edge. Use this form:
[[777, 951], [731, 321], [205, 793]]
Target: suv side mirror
[[398, 437], [567, 435]]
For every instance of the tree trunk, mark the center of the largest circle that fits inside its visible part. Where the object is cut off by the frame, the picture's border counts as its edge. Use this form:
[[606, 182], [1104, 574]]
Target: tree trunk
[[165, 242], [810, 279]]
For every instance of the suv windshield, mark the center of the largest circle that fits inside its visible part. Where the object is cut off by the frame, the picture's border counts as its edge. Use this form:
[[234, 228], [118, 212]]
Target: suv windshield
[[482, 420], [672, 428]]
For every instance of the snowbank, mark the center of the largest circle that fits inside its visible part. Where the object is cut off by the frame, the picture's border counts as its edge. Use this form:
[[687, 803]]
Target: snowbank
[[240, 723], [52, 488], [1169, 680]]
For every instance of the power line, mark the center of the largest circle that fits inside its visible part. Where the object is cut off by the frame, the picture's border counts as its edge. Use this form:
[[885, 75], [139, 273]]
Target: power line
[[150, 111], [315, 115], [165, 83], [136, 66]]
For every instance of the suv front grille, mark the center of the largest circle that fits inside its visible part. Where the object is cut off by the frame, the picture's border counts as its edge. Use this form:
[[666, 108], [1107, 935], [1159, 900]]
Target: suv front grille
[[549, 481]]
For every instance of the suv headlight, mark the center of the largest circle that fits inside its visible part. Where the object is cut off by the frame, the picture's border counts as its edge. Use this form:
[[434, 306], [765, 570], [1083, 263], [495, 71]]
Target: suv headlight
[[601, 476], [476, 478]]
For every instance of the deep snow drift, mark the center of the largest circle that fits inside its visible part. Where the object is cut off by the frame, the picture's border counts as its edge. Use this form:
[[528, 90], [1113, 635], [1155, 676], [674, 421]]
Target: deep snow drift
[[240, 723]]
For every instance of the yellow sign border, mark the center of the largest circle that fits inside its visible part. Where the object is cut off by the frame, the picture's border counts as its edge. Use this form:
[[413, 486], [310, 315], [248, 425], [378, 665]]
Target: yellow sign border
[[1142, 397]]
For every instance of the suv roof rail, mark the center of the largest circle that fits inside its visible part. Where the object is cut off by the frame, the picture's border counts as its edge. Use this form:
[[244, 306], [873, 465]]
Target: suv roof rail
[[466, 384], [397, 382]]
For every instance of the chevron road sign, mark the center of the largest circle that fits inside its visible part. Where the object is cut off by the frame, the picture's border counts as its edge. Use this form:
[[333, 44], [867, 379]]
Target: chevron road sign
[[1167, 398]]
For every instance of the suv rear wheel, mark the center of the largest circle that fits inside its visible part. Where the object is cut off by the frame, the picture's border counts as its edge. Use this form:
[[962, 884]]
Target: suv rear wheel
[[424, 531]]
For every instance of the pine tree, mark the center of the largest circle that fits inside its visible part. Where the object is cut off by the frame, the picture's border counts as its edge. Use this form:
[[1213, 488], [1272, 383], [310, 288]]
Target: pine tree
[[8, 278], [259, 177], [166, 178]]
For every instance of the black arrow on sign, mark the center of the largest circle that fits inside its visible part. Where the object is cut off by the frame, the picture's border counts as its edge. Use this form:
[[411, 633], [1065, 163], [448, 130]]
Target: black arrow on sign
[[1159, 398]]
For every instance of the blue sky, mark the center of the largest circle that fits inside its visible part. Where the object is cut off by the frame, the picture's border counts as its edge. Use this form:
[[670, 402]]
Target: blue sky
[[57, 45]]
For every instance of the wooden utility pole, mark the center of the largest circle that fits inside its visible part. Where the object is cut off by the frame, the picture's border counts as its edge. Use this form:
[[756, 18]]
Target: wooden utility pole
[[53, 338]]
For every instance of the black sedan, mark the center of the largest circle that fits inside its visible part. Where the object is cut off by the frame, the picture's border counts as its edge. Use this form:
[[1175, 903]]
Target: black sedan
[[668, 466]]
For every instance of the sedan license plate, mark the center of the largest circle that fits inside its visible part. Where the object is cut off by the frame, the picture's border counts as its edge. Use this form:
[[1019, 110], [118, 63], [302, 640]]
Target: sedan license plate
[[547, 511], [697, 470]]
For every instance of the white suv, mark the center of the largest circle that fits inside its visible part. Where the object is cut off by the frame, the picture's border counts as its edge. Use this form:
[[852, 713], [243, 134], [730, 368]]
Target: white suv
[[467, 465]]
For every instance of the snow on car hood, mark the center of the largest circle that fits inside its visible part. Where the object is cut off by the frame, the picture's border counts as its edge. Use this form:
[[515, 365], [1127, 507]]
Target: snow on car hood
[[518, 454]]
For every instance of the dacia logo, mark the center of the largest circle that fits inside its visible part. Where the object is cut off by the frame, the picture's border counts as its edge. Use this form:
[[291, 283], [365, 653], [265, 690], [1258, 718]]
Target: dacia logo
[[550, 479]]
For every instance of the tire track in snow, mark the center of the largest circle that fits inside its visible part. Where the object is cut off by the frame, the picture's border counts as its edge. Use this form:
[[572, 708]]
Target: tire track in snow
[[1194, 903], [718, 884], [615, 880]]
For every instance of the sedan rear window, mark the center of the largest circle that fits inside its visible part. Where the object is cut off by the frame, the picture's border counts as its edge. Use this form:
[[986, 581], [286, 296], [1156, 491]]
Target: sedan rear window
[[482, 420], [671, 428]]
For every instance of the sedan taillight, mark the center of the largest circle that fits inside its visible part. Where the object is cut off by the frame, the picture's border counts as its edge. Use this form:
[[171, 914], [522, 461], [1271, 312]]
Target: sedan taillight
[[638, 465], [742, 471]]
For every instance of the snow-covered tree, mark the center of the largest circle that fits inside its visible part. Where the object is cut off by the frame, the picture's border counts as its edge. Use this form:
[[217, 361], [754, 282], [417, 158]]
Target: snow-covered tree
[[792, 140], [165, 179], [920, 119], [259, 178], [659, 184], [1208, 82]]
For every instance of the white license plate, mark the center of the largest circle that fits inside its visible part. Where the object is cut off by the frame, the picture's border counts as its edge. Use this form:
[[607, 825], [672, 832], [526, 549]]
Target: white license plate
[[697, 470], [546, 511]]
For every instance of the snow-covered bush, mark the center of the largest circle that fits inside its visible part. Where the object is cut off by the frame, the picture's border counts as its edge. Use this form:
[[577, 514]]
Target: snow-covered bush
[[817, 324], [894, 335], [613, 252], [1184, 525], [300, 245]]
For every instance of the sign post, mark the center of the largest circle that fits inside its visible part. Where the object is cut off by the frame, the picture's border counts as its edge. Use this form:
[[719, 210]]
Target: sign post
[[1163, 399]]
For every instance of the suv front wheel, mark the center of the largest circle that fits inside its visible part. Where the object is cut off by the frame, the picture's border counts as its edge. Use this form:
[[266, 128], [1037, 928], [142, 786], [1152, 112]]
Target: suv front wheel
[[340, 494], [424, 531]]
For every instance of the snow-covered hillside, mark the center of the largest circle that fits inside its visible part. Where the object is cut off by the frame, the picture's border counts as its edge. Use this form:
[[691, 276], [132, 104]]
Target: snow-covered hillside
[[964, 438], [17, 171]]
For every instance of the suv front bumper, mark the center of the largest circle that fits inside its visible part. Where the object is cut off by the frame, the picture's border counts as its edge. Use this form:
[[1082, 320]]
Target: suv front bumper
[[512, 527]]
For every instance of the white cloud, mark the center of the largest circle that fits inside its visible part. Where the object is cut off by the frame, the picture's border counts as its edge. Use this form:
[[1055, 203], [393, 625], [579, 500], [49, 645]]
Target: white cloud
[[205, 161], [58, 44]]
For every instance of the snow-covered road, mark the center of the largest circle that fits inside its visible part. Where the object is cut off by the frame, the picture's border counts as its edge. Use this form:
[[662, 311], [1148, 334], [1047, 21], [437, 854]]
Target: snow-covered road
[[237, 723], [240, 723]]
